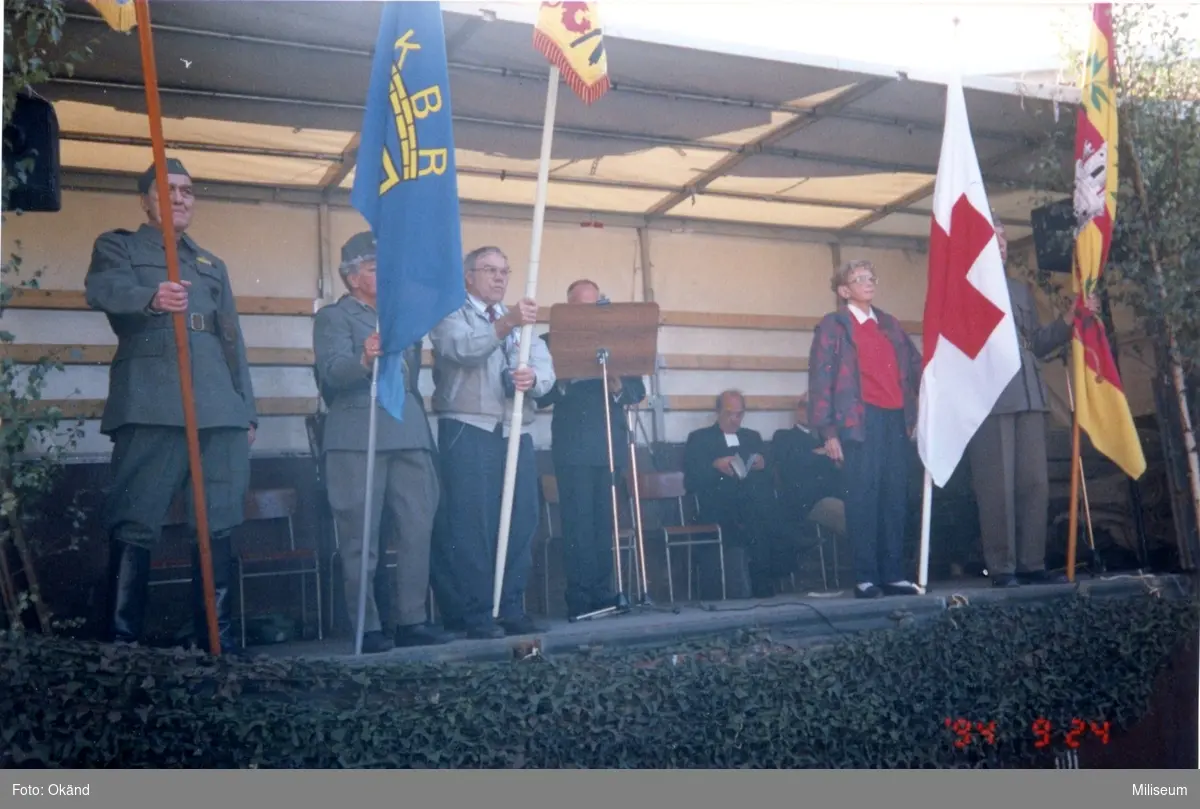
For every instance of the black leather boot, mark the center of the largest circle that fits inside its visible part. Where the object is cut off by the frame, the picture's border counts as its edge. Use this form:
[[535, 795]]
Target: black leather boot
[[129, 582], [223, 578]]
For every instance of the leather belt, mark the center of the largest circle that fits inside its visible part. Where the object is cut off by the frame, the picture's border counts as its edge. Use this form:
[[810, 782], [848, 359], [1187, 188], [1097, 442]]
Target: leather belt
[[201, 322], [194, 321]]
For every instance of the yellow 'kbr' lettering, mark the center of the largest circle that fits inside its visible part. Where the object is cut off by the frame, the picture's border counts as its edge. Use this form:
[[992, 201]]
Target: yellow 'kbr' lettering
[[390, 179], [427, 101], [407, 110], [438, 161], [404, 46]]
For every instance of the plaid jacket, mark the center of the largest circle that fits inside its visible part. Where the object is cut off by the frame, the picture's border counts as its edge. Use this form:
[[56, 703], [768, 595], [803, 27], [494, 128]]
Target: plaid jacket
[[835, 403]]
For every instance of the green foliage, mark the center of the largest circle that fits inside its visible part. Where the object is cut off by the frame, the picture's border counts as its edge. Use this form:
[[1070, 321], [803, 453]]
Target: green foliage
[[1159, 75], [33, 32], [1158, 97], [872, 700]]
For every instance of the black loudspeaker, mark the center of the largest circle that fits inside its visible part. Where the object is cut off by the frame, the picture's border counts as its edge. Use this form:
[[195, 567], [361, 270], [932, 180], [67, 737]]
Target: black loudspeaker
[[1054, 235], [31, 147], [1054, 238]]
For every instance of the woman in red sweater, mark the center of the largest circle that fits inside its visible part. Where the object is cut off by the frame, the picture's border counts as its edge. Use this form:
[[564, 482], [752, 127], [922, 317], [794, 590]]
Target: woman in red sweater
[[863, 381]]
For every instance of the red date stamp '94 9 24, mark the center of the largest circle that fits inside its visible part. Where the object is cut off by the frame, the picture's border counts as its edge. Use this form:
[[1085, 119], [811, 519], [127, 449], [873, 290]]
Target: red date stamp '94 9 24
[[1043, 731]]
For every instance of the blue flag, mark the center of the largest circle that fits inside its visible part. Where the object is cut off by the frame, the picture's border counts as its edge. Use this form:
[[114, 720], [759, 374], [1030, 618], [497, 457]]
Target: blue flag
[[406, 187]]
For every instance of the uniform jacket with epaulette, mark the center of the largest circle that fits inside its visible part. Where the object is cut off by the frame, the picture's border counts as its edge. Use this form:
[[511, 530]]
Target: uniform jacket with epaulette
[[122, 280], [339, 331], [1027, 390]]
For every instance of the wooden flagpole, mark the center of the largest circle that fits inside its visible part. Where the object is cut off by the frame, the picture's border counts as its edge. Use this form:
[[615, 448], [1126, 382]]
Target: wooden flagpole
[[535, 251], [154, 112], [1076, 461]]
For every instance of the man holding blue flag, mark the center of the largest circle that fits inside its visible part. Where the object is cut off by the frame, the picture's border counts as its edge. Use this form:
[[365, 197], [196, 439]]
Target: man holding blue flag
[[405, 479], [406, 187]]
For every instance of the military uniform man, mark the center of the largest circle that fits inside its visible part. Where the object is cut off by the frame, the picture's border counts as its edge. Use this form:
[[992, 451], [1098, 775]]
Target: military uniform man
[[346, 343], [127, 280], [1007, 454]]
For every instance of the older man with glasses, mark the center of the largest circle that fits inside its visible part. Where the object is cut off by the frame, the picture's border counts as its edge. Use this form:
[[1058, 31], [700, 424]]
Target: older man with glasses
[[476, 353]]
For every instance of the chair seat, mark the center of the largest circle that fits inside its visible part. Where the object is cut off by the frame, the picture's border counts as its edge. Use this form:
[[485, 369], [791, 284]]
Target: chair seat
[[830, 513], [171, 564], [304, 554], [687, 530]]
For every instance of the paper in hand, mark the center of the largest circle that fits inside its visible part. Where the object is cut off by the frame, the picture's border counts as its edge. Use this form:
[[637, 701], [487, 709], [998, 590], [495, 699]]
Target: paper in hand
[[739, 467]]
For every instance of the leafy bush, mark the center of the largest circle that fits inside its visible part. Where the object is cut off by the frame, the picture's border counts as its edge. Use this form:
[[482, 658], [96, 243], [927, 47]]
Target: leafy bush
[[872, 700], [33, 34]]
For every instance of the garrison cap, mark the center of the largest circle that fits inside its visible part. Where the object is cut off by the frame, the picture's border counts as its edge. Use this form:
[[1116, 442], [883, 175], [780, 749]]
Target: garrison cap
[[360, 246], [146, 181]]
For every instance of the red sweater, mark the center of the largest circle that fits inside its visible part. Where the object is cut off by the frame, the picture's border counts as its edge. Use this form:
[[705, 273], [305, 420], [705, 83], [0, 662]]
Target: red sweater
[[877, 366]]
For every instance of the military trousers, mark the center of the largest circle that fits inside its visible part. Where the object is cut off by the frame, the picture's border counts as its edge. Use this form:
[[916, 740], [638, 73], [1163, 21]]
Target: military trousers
[[406, 483], [1012, 488], [150, 467]]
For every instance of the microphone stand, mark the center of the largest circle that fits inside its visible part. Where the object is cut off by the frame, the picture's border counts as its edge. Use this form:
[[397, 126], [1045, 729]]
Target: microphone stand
[[621, 604]]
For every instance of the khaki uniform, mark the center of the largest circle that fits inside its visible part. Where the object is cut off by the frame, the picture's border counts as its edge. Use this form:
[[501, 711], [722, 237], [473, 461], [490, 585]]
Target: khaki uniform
[[406, 479], [1008, 453], [143, 413]]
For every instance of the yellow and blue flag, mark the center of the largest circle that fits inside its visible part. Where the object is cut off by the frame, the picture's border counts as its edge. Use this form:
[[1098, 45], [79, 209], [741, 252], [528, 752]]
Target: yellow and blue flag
[[406, 186]]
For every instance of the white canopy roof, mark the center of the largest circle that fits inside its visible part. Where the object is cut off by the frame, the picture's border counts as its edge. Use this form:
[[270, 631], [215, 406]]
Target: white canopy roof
[[269, 95]]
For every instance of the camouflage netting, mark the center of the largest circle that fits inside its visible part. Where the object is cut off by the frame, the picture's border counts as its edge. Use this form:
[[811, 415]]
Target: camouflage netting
[[878, 699]]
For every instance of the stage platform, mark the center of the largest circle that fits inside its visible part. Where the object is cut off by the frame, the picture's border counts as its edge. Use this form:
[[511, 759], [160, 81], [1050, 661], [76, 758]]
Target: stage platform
[[795, 619]]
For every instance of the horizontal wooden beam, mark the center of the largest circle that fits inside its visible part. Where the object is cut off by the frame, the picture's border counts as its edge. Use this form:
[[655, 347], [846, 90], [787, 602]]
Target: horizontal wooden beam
[[732, 362], [727, 320], [73, 300], [267, 406], [708, 404], [30, 353], [306, 406]]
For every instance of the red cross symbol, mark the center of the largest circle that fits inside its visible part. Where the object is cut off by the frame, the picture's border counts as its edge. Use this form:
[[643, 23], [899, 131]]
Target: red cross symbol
[[957, 310]]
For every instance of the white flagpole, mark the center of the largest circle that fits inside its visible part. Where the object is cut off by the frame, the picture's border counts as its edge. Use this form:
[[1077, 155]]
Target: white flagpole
[[363, 584], [535, 250], [927, 494], [926, 518]]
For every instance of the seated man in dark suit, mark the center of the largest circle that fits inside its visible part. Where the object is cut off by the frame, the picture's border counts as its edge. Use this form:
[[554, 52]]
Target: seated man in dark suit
[[725, 467], [579, 447], [805, 474]]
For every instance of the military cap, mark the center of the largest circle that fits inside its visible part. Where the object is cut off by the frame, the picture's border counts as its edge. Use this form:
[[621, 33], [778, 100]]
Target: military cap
[[360, 246], [146, 181]]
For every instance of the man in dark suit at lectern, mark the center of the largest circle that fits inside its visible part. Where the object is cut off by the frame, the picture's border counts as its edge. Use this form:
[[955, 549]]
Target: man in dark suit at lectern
[[579, 448]]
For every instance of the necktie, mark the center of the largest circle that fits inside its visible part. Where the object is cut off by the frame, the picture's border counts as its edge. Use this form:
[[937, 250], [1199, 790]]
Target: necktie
[[491, 314]]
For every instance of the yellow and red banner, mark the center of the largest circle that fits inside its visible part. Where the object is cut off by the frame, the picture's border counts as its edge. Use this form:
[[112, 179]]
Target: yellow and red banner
[[119, 14], [1100, 402], [570, 37]]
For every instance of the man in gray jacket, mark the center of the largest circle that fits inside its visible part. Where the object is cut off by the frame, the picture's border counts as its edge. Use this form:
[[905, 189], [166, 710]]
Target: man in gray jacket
[[1008, 453], [127, 280], [346, 342], [475, 372]]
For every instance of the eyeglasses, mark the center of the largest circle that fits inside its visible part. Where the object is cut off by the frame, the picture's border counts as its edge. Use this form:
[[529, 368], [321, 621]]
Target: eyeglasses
[[863, 279], [502, 272]]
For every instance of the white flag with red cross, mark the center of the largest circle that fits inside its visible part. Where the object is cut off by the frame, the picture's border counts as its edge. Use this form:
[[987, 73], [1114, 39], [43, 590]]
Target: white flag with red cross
[[971, 351]]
